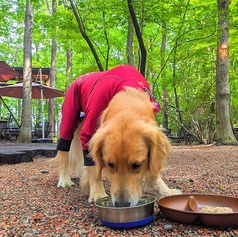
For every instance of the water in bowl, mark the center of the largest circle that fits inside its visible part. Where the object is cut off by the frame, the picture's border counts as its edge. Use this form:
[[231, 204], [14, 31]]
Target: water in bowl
[[107, 202]]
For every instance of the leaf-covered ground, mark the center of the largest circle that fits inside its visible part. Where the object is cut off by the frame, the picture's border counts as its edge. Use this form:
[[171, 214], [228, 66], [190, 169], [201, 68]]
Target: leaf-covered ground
[[32, 205]]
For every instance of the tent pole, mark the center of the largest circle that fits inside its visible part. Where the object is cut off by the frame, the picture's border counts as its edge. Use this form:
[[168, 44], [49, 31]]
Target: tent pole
[[42, 109], [9, 111]]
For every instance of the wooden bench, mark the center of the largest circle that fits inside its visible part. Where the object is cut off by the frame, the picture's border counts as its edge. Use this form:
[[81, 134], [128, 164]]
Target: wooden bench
[[38, 131], [3, 128], [182, 135], [235, 131], [13, 133]]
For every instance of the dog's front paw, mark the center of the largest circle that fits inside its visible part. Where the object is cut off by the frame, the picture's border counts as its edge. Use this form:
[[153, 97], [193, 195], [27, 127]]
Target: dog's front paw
[[96, 194], [63, 183], [170, 192]]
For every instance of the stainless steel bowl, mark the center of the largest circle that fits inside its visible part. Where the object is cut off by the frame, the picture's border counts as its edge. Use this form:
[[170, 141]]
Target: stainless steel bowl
[[126, 217]]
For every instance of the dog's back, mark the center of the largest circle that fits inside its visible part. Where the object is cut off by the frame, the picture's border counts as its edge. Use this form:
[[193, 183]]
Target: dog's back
[[129, 101]]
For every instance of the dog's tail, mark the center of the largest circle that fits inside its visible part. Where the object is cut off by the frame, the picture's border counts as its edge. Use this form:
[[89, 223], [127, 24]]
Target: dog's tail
[[76, 161]]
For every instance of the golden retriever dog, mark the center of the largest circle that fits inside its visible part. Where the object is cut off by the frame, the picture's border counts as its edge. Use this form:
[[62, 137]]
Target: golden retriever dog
[[128, 146]]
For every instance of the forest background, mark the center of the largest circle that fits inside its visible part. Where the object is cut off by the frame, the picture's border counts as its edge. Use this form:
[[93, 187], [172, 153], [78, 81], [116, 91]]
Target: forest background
[[181, 39]]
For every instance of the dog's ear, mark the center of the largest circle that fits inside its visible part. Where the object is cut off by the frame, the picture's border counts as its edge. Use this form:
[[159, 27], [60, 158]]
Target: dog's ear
[[159, 147], [95, 147]]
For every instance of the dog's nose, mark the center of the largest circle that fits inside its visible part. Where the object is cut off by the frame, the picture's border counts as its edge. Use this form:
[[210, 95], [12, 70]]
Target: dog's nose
[[122, 204]]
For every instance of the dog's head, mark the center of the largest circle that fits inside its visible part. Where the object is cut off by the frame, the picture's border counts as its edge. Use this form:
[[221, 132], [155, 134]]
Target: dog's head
[[127, 150]]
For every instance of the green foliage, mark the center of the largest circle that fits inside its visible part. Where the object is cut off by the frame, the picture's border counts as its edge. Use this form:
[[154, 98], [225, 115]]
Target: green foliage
[[190, 55]]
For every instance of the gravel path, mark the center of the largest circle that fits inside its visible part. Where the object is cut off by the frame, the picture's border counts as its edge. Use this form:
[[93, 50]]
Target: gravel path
[[32, 205]]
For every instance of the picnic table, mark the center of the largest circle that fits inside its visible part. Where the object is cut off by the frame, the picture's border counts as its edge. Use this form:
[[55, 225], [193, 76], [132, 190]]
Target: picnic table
[[3, 127], [182, 135], [9, 132]]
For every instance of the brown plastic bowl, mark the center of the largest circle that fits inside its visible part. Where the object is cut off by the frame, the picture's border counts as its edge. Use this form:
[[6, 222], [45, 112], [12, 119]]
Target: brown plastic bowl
[[177, 209]]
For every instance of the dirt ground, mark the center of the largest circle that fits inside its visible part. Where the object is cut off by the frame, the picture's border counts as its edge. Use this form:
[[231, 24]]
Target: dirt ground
[[32, 205]]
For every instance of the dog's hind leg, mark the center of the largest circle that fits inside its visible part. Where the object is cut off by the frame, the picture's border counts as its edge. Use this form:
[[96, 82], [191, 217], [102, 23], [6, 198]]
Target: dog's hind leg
[[92, 184], [84, 181], [64, 177], [70, 161]]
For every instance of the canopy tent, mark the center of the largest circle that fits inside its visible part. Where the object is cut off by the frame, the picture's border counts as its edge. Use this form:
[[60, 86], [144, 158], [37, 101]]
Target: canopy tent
[[6, 72], [35, 74], [39, 91]]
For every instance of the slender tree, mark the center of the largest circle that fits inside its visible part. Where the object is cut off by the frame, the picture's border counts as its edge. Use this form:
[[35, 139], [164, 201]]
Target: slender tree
[[26, 119], [191, 31], [129, 42], [139, 37], [165, 96], [51, 109], [69, 56], [223, 120]]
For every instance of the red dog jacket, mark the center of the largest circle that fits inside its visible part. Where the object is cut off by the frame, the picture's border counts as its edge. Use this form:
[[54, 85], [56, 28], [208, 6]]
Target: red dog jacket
[[89, 95]]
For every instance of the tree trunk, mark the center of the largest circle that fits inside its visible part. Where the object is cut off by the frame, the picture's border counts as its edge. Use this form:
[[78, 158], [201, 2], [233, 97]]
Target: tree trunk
[[129, 42], [182, 126], [210, 124], [180, 118], [224, 134], [51, 109], [107, 41], [26, 118], [69, 58], [69, 55], [165, 119], [139, 37], [165, 96]]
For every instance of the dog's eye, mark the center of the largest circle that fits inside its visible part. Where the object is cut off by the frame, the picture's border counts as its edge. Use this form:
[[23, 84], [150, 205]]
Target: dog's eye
[[111, 165], [136, 166]]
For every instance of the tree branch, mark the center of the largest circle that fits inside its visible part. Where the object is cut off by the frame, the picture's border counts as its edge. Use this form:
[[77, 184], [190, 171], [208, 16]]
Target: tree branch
[[139, 37], [83, 32]]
